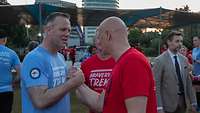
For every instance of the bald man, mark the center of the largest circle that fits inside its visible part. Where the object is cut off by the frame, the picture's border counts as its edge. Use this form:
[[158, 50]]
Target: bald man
[[131, 88]]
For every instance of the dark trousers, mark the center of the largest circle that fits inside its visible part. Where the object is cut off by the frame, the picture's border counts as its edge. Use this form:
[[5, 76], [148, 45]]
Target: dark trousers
[[181, 108], [198, 98], [6, 101]]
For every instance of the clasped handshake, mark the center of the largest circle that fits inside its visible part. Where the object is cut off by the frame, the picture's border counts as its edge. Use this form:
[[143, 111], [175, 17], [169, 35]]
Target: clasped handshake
[[76, 76]]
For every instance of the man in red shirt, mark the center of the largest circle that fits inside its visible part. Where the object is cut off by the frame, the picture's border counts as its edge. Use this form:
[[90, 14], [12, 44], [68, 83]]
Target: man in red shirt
[[131, 88], [64, 52], [97, 71], [72, 54]]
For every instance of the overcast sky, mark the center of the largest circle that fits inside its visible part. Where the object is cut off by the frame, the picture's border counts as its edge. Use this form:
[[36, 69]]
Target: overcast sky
[[137, 4]]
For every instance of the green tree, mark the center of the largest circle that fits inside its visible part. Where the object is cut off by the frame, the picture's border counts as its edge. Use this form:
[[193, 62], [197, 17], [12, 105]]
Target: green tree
[[185, 8], [134, 36], [17, 36]]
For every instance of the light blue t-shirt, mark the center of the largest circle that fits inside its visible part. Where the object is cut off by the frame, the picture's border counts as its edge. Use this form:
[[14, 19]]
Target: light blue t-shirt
[[196, 56], [8, 61], [41, 68]]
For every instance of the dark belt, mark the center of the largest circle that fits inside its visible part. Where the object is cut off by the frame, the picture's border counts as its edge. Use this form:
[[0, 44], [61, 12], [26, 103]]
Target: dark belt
[[181, 93]]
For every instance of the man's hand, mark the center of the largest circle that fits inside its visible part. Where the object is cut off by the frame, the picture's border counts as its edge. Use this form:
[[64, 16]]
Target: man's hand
[[161, 111], [191, 75], [76, 75], [71, 72], [193, 109], [15, 84]]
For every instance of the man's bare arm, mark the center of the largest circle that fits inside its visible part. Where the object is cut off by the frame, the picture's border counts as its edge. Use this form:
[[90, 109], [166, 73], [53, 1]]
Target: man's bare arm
[[16, 76], [91, 98], [136, 104], [42, 97], [17, 69]]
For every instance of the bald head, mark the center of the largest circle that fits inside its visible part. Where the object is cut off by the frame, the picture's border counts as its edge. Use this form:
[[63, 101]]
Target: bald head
[[112, 36], [113, 23]]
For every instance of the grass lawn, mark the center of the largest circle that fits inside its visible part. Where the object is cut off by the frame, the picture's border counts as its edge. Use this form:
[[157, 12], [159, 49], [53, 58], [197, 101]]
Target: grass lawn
[[76, 106]]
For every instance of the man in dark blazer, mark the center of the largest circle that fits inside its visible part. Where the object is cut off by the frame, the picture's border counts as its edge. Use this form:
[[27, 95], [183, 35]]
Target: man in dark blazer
[[173, 84]]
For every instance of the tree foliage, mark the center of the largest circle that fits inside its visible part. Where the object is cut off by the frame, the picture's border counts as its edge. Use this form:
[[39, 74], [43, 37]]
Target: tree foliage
[[134, 36], [17, 36], [185, 8], [150, 42]]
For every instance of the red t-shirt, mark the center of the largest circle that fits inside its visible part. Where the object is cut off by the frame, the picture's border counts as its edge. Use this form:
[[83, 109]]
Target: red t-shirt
[[72, 52], [131, 77], [189, 56], [97, 72]]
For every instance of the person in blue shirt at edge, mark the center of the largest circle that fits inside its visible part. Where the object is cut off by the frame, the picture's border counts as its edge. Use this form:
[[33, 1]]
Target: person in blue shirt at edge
[[8, 61], [196, 55], [44, 78], [196, 68]]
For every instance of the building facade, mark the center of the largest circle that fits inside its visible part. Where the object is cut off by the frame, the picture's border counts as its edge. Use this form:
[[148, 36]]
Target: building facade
[[90, 31], [57, 3]]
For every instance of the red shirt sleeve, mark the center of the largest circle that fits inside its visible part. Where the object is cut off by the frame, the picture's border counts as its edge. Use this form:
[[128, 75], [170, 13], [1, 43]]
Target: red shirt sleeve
[[135, 78], [85, 72]]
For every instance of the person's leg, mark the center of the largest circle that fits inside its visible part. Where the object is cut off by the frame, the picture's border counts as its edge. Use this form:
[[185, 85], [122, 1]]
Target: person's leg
[[6, 101], [73, 61], [198, 100], [181, 105], [178, 110], [168, 112]]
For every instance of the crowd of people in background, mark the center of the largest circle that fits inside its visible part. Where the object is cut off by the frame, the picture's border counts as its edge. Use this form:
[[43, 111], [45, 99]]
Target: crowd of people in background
[[113, 76]]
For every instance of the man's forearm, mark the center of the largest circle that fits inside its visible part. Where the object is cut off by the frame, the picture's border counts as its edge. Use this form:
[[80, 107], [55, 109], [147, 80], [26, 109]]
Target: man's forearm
[[43, 97], [90, 98], [47, 97], [17, 73]]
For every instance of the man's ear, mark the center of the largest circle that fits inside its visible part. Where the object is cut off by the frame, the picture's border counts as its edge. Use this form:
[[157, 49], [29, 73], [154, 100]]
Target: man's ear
[[108, 35], [47, 29], [168, 42], [5, 40]]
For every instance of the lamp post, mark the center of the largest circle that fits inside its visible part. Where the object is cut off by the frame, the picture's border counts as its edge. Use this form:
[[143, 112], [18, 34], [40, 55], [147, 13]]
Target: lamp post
[[39, 36], [159, 31], [159, 41], [27, 26]]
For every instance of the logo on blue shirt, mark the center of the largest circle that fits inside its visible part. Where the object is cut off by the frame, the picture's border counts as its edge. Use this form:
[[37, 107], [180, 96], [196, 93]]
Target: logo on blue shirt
[[35, 73]]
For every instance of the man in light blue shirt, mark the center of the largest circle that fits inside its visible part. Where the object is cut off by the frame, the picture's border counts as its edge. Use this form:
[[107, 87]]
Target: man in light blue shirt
[[196, 56], [8, 61], [196, 65], [45, 87]]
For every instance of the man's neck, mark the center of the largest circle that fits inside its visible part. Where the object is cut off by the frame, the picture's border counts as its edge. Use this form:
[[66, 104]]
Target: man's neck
[[173, 51], [49, 47], [103, 57], [120, 51], [2, 42]]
